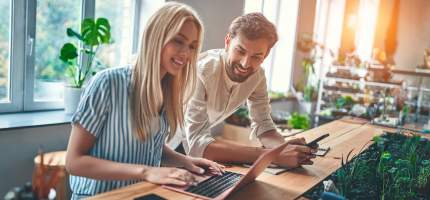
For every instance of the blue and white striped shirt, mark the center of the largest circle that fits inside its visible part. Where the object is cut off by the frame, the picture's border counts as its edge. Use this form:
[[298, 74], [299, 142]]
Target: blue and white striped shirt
[[104, 112]]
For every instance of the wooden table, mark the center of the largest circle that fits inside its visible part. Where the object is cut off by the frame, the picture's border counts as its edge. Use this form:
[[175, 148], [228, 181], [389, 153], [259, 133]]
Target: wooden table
[[345, 134]]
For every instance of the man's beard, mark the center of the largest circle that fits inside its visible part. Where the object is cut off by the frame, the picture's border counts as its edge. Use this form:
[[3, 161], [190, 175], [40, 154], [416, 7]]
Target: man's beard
[[237, 77]]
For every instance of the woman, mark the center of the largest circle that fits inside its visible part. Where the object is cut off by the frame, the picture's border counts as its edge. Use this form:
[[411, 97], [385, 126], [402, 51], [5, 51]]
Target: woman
[[125, 114]]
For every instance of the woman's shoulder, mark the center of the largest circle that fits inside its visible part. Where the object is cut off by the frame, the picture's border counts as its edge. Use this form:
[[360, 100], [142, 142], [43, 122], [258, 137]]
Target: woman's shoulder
[[114, 74]]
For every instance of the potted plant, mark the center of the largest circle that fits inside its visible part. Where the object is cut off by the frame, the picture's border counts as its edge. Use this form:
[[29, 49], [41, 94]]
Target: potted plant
[[298, 121], [93, 34]]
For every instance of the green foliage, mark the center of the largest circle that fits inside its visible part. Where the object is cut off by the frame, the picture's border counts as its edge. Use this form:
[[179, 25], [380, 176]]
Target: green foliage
[[51, 17], [299, 121], [93, 34], [308, 66], [405, 109], [395, 167], [308, 93], [357, 171], [344, 101], [424, 173]]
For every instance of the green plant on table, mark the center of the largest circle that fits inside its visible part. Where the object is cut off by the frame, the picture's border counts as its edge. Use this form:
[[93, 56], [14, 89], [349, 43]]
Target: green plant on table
[[298, 121], [93, 34]]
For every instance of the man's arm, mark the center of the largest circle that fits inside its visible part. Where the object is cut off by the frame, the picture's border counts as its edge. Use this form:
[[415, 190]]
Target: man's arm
[[271, 139], [226, 151], [230, 152], [295, 154]]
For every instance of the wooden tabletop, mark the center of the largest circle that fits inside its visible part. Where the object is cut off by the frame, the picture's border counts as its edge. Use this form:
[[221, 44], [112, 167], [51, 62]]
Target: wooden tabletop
[[345, 135]]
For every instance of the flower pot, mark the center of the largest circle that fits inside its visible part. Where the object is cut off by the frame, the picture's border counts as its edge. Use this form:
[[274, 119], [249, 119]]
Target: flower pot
[[71, 99]]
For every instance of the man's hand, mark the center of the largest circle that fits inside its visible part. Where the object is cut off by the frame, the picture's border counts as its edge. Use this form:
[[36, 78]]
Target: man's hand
[[295, 154]]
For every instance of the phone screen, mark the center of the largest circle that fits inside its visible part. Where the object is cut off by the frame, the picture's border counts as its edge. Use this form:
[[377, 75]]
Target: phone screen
[[314, 143]]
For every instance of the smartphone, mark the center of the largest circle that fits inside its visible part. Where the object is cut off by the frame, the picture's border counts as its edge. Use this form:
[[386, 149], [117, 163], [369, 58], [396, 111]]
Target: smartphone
[[151, 196], [314, 143]]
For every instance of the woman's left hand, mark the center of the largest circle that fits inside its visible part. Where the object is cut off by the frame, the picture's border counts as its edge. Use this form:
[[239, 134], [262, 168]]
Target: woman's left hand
[[200, 165]]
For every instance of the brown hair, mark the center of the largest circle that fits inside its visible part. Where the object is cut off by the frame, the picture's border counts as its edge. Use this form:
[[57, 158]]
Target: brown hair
[[254, 26]]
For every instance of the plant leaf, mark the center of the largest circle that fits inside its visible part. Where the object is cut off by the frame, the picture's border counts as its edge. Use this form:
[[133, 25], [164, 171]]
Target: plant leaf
[[71, 33], [95, 32], [103, 28], [68, 52]]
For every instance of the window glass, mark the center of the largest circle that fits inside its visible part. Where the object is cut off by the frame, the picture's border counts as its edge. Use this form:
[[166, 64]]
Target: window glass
[[120, 16], [52, 20], [4, 51]]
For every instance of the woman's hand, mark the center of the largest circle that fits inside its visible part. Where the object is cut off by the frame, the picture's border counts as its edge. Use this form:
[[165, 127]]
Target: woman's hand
[[169, 175], [200, 165]]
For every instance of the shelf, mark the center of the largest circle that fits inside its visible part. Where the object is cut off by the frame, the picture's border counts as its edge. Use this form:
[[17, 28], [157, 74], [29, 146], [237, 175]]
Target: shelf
[[334, 75], [342, 89], [416, 72], [370, 83], [360, 95], [344, 80]]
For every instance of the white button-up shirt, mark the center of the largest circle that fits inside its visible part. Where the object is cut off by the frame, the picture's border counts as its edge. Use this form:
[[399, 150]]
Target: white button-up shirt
[[217, 97]]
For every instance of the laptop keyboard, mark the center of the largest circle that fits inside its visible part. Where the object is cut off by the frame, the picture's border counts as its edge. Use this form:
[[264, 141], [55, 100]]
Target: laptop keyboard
[[215, 185]]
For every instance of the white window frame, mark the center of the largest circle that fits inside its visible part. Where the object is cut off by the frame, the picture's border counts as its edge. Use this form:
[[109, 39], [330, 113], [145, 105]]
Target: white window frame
[[22, 44]]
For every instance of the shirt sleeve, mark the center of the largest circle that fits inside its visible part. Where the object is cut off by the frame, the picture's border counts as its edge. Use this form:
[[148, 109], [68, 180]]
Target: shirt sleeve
[[259, 110], [197, 128], [92, 110]]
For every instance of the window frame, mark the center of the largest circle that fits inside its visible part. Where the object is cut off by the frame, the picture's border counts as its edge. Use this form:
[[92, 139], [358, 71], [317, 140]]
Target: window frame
[[16, 57], [21, 53]]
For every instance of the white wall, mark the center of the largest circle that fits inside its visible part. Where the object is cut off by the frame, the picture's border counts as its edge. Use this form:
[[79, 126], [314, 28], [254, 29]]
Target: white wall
[[413, 33], [216, 16]]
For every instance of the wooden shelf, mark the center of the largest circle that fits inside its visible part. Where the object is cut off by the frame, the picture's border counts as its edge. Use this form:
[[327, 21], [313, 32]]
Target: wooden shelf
[[416, 72]]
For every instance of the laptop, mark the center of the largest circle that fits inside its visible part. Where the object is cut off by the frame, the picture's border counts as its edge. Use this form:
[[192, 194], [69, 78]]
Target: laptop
[[219, 187]]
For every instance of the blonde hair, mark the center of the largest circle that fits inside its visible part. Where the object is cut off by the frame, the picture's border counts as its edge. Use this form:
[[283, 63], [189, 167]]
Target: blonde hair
[[150, 93]]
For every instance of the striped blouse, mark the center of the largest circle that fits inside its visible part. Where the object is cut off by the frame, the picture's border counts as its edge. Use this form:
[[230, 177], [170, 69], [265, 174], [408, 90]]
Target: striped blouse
[[104, 112]]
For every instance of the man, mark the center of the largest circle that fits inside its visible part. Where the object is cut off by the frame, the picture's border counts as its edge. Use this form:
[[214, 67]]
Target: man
[[227, 78]]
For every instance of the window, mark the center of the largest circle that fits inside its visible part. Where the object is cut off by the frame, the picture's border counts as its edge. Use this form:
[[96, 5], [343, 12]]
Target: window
[[119, 13], [32, 33], [52, 19], [279, 64], [4, 51]]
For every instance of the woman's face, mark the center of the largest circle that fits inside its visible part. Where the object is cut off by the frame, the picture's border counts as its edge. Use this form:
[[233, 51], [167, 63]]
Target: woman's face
[[177, 52]]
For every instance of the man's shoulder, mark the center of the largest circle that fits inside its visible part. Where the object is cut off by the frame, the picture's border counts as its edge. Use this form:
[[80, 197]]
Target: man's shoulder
[[210, 62]]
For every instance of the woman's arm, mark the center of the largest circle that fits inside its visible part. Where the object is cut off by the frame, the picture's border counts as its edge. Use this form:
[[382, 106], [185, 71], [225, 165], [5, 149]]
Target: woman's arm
[[79, 163]]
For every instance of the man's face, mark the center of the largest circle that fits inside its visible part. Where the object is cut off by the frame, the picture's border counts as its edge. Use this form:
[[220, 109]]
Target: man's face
[[244, 56]]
